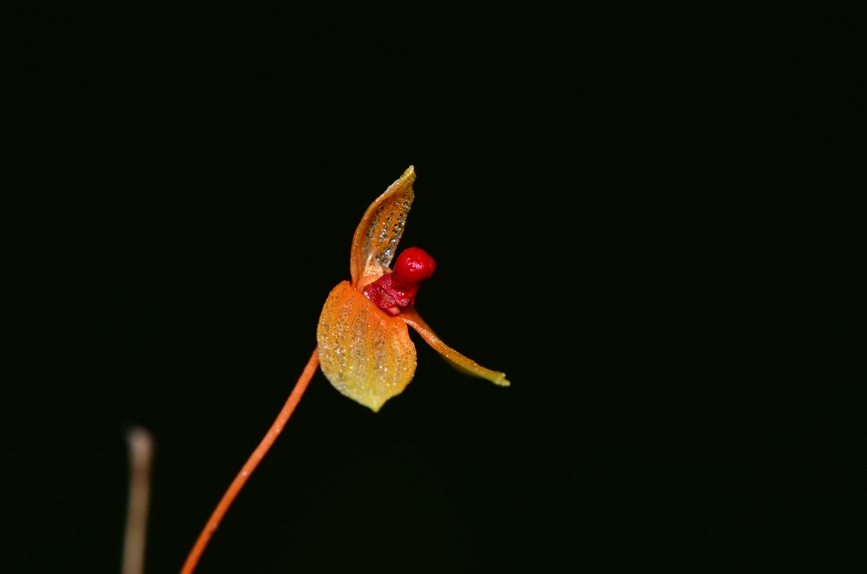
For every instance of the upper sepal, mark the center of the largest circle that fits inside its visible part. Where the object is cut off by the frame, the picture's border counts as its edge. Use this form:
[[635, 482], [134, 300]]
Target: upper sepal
[[380, 230]]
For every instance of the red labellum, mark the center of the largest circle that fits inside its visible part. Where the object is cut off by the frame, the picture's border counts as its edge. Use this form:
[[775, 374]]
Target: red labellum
[[414, 265], [397, 290]]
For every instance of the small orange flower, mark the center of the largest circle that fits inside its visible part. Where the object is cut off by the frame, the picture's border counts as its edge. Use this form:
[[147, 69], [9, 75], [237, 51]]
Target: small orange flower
[[364, 347], [363, 343]]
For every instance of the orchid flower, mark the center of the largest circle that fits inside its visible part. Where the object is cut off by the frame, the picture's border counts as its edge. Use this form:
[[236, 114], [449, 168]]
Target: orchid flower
[[364, 345], [363, 341]]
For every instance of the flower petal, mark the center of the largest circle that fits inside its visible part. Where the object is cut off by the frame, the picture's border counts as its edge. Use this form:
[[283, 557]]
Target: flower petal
[[458, 361], [366, 354], [376, 237]]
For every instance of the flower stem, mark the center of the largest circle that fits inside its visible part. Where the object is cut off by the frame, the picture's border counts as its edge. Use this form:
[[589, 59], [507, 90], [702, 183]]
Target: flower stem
[[251, 464]]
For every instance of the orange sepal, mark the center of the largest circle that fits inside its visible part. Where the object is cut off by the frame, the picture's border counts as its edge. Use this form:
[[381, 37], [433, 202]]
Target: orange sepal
[[377, 235], [365, 354], [455, 359]]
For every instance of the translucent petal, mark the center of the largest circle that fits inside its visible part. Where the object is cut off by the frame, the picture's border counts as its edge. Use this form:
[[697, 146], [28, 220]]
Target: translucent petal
[[366, 354], [458, 361], [381, 228]]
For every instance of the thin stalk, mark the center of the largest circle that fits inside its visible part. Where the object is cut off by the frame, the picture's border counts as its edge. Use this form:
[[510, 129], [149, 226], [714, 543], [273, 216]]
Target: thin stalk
[[141, 454], [251, 464]]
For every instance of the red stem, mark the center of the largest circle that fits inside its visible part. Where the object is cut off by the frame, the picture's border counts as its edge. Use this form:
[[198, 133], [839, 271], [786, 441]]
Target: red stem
[[251, 464]]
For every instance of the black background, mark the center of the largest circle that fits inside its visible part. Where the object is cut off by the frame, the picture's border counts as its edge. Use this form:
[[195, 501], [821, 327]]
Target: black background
[[622, 206]]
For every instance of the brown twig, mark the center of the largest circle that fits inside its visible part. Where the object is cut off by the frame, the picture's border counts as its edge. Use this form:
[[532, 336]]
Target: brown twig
[[141, 451]]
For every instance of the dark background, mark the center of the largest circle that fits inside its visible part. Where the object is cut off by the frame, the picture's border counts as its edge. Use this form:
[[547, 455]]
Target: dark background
[[624, 208]]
